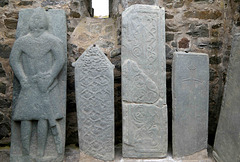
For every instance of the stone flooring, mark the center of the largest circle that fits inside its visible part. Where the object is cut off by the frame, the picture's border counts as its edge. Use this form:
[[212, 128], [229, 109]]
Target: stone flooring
[[72, 155]]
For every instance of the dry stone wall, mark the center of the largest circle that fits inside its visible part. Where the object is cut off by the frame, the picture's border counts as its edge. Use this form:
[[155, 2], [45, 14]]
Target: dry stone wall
[[204, 26]]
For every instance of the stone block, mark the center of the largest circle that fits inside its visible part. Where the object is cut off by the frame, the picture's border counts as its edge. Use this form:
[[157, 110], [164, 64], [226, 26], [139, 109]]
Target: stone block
[[144, 82], [227, 140], [94, 83], [38, 59], [190, 88]]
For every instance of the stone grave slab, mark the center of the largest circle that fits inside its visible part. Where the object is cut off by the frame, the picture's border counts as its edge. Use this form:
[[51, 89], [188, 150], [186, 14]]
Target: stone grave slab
[[143, 62], [227, 139], [190, 89], [94, 83], [38, 60]]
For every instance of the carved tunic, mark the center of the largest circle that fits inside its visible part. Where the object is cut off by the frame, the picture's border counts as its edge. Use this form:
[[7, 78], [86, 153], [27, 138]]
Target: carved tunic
[[33, 103]]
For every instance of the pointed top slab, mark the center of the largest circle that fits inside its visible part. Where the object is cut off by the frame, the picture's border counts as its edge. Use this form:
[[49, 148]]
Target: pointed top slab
[[96, 55], [94, 86]]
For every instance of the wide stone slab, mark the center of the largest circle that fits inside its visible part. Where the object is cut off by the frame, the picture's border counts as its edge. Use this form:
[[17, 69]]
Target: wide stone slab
[[94, 83], [38, 59], [227, 140], [144, 82], [190, 86]]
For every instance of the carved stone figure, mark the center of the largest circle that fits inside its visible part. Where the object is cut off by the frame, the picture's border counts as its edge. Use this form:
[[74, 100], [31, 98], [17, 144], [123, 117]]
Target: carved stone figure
[[227, 139], [38, 62], [190, 88], [144, 82], [94, 83]]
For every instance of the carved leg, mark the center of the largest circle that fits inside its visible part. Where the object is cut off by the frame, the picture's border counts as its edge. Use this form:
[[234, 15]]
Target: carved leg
[[42, 136], [26, 130]]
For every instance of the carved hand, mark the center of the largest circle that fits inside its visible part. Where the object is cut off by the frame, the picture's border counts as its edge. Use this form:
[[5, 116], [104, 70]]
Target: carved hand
[[44, 81]]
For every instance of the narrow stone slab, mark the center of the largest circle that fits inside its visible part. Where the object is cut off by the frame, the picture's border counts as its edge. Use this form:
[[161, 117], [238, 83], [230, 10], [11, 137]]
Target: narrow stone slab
[[38, 59], [94, 83], [190, 86], [144, 82], [227, 140]]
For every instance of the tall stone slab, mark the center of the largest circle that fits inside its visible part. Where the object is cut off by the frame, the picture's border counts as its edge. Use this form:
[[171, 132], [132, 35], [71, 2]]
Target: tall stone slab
[[144, 82], [94, 83], [38, 60], [227, 140], [190, 88]]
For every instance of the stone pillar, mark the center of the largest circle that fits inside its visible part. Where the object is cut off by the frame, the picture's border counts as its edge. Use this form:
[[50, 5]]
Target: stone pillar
[[38, 60], [94, 83], [144, 82], [227, 140], [190, 89]]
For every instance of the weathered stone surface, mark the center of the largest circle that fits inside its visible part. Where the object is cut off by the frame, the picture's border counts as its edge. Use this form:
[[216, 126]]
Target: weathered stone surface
[[2, 87], [10, 23], [169, 37], [190, 86], [227, 140], [38, 59], [206, 14], [144, 82], [25, 3], [2, 72], [5, 155], [183, 43], [4, 103], [5, 51], [198, 30], [94, 83], [3, 3]]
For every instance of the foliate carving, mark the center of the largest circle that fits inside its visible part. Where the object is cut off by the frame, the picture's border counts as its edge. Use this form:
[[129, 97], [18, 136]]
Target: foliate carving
[[144, 82], [144, 128], [38, 60], [140, 38], [139, 88], [95, 103]]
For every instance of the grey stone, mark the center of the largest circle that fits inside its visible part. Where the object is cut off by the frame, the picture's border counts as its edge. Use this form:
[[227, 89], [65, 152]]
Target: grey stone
[[94, 83], [198, 30], [144, 82], [190, 88], [5, 155], [38, 59], [227, 140], [169, 37]]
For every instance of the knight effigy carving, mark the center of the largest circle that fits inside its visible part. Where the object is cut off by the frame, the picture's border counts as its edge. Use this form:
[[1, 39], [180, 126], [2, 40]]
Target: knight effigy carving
[[38, 62]]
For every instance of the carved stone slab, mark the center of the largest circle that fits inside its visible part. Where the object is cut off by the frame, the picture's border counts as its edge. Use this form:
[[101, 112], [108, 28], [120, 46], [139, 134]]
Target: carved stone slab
[[94, 83], [190, 86], [144, 82], [38, 59], [227, 140]]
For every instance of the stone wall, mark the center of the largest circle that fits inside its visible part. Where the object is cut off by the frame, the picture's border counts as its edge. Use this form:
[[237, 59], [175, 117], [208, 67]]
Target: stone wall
[[204, 26], [191, 25]]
